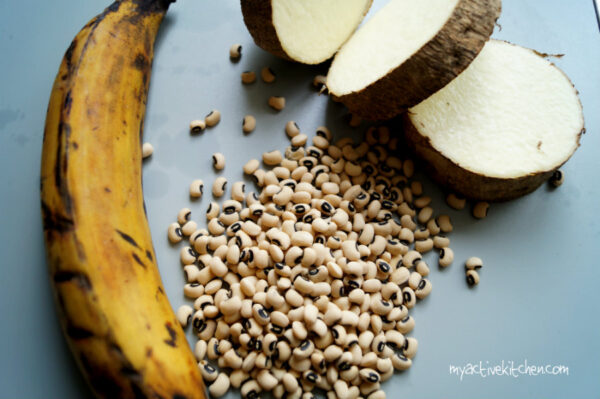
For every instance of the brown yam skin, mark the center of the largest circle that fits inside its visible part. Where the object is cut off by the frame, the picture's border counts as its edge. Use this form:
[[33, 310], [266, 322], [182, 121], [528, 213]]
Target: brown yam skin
[[258, 17], [432, 67], [470, 184]]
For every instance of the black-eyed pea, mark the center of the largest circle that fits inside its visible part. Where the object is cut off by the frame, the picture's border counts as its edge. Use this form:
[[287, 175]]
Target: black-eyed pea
[[187, 255], [352, 169], [235, 52], [409, 298], [147, 150], [299, 140], [189, 228], [406, 325], [200, 350], [267, 75], [197, 126], [424, 246], [184, 315], [422, 268], [378, 394], [423, 289], [425, 214], [422, 202], [472, 277], [444, 223], [407, 222], [174, 233], [441, 241], [480, 209], [319, 82], [248, 124], [433, 227], [216, 227], [277, 102], [557, 178], [289, 381], [411, 258], [401, 362], [408, 168], [219, 185], [272, 158], [248, 77], [220, 386], [266, 380], [213, 118], [446, 257], [421, 233], [473, 263], [251, 166], [414, 279], [456, 201], [184, 215], [193, 290], [406, 208], [410, 347]]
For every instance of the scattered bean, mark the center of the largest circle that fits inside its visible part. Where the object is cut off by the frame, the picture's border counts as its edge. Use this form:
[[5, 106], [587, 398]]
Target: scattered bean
[[277, 102], [197, 126], [456, 201], [196, 188], [480, 209], [557, 178], [174, 233], [218, 161], [235, 52], [248, 77], [472, 277], [147, 150], [446, 257], [212, 118], [267, 75], [219, 185], [248, 124]]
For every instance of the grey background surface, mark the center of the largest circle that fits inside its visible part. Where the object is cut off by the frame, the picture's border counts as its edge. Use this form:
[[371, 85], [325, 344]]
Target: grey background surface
[[538, 298]]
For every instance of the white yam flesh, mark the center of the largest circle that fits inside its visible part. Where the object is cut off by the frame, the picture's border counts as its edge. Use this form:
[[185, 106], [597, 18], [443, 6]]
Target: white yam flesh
[[385, 41], [311, 31], [510, 114]]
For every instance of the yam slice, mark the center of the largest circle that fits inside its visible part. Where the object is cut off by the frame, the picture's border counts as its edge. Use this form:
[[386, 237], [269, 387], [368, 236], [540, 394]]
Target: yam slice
[[407, 51], [499, 129], [306, 31]]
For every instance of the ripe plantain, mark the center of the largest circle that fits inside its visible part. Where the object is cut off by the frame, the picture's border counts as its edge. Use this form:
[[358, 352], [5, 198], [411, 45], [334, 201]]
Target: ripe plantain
[[113, 308]]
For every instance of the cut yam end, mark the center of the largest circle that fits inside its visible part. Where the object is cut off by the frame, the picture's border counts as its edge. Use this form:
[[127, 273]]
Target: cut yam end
[[499, 129], [408, 51], [307, 31]]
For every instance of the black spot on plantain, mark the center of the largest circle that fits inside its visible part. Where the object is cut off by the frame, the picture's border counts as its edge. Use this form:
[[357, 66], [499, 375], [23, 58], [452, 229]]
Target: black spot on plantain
[[100, 379], [67, 102], [138, 260], [69, 53], [81, 279], [151, 6], [141, 62], [179, 396], [127, 238], [78, 333], [108, 190], [114, 7], [61, 165], [54, 222], [149, 256], [172, 334]]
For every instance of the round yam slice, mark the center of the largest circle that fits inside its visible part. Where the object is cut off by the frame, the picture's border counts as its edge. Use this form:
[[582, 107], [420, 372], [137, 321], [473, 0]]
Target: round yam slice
[[499, 129], [306, 31], [407, 51]]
